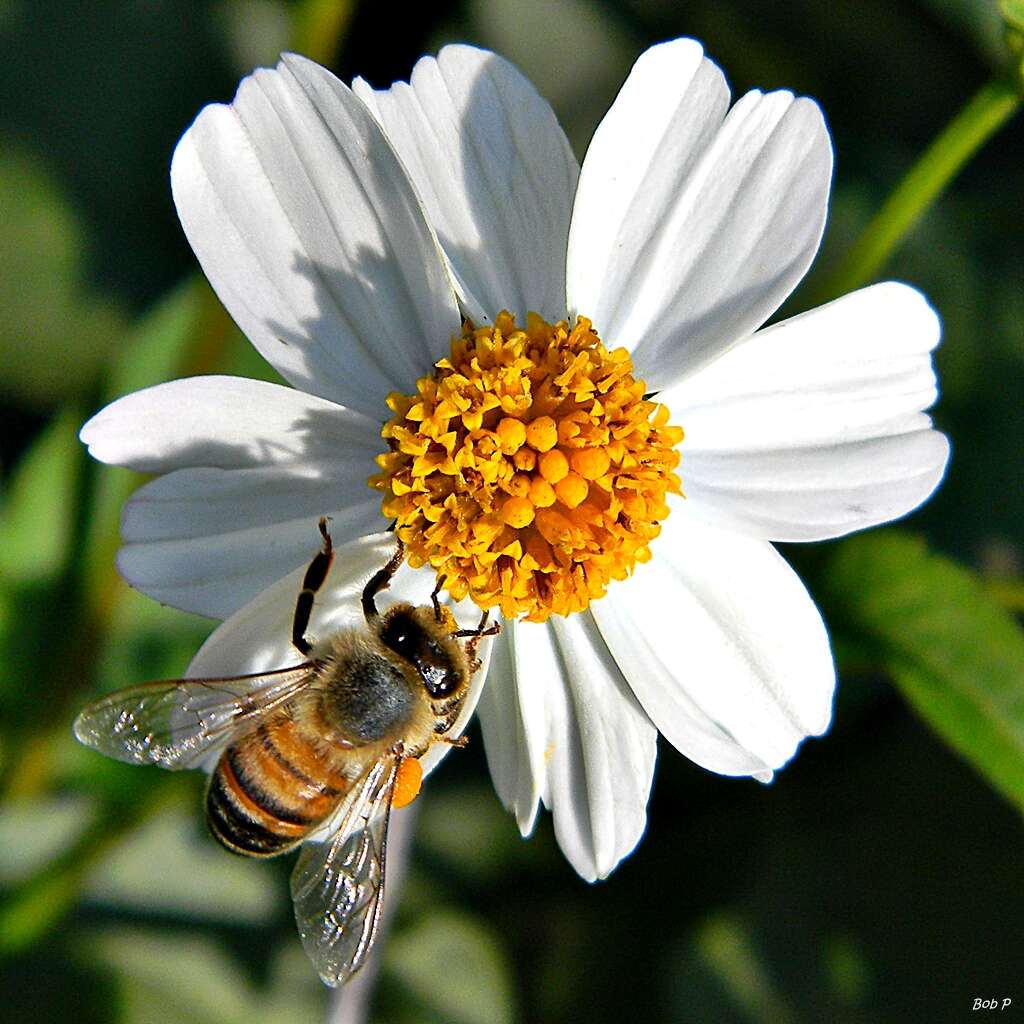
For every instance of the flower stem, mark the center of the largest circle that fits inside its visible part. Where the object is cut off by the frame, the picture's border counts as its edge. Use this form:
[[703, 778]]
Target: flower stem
[[985, 113]]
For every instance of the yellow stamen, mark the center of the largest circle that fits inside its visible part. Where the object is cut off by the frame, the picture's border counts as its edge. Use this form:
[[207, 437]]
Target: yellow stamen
[[528, 470], [542, 494], [525, 459], [517, 512], [542, 434], [553, 466], [572, 490], [511, 435], [590, 463]]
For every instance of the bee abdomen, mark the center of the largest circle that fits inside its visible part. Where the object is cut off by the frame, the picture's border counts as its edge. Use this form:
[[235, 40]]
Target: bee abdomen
[[259, 802]]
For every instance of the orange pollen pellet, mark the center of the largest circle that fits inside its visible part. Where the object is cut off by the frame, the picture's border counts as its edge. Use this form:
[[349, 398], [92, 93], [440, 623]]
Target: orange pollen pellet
[[527, 471], [517, 513], [408, 781]]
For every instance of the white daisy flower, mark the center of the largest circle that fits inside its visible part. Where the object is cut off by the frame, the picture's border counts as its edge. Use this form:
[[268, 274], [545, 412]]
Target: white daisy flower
[[431, 257]]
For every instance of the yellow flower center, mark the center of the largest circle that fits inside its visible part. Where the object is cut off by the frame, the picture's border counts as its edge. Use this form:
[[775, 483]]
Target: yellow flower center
[[528, 469]]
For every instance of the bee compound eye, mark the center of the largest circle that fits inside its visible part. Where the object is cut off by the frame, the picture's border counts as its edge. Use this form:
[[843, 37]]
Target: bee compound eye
[[410, 641], [439, 681], [399, 637]]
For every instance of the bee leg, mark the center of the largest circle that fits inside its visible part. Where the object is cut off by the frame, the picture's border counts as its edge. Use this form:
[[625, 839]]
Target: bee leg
[[381, 581], [459, 741], [434, 601], [311, 583], [482, 630], [474, 639]]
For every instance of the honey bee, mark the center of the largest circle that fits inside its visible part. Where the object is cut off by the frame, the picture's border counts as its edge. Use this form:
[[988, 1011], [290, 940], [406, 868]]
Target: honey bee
[[324, 748]]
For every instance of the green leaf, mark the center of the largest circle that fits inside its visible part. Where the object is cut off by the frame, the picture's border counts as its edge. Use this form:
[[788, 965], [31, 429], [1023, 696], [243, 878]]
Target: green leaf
[[146, 640], [186, 333], [483, 991], [34, 832], [466, 828], [37, 524], [57, 333], [171, 865], [956, 656], [980, 118], [153, 352], [725, 944], [36, 516], [36, 905], [189, 978], [320, 26], [1012, 12], [156, 347]]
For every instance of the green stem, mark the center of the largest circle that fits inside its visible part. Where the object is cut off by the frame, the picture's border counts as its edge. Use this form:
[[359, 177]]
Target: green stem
[[985, 113]]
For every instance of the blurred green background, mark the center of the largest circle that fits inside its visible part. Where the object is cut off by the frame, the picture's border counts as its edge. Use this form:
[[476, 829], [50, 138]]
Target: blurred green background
[[878, 878]]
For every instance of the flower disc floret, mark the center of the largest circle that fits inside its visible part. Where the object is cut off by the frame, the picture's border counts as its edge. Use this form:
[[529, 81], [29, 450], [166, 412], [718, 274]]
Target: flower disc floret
[[528, 470]]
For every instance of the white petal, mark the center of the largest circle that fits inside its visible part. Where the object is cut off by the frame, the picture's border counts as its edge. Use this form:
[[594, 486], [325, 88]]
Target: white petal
[[227, 422], [515, 755], [309, 231], [815, 427], [722, 646], [257, 638], [254, 466], [494, 171], [563, 726], [690, 230], [214, 573]]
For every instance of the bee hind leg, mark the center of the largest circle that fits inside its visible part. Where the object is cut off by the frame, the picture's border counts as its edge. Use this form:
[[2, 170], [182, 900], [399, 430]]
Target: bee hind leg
[[311, 583]]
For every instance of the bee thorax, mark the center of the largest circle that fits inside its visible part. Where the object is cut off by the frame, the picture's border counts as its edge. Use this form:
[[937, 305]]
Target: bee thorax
[[365, 698]]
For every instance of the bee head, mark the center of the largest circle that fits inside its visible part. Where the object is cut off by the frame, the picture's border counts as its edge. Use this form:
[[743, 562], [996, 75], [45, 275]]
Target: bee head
[[417, 638]]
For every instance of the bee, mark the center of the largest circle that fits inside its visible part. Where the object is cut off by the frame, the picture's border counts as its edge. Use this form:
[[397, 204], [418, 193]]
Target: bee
[[320, 750]]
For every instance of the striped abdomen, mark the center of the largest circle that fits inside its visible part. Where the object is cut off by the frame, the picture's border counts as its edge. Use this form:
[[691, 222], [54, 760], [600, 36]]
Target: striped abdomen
[[272, 788]]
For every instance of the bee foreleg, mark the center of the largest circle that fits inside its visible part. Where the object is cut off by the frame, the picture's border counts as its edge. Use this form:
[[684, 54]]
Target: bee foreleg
[[434, 601], [457, 741], [381, 581], [474, 639], [482, 630], [311, 583]]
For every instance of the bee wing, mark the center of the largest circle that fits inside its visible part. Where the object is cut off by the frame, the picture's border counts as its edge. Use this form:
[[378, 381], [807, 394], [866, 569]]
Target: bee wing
[[337, 884], [175, 724]]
